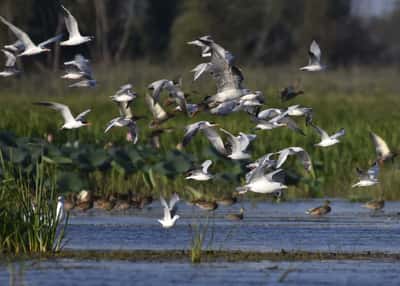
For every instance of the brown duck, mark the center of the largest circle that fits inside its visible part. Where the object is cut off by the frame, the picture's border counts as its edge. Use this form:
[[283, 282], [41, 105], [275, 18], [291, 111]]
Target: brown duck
[[321, 210]]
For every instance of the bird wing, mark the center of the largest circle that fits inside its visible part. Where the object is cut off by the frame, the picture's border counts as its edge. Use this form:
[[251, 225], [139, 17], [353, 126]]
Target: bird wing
[[176, 92], [291, 124], [301, 154], [172, 202], [158, 112], [373, 171], [163, 202], [157, 87], [82, 64], [206, 164], [226, 75], [133, 130], [276, 176], [111, 124], [269, 113], [215, 139], [81, 115], [123, 89], [320, 131], [233, 141], [304, 157], [71, 23], [190, 131], [314, 53], [200, 69], [245, 139], [338, 134], [125, 110], [283, 154], [381, 147], [11, 59], [49, 41], [64, 109], [21, 35], [167, 214]]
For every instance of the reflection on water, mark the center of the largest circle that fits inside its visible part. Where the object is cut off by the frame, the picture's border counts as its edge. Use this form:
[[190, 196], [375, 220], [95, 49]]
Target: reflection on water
[[72, 272]]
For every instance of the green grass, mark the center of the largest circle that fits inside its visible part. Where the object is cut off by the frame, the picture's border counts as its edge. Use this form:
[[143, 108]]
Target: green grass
[[360, 100]]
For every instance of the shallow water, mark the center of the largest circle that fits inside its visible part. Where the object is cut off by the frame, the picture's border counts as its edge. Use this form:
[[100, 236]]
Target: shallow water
[[266, 227], [72, 272]]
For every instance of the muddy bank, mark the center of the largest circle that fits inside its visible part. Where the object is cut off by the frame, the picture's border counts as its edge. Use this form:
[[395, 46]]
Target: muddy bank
[[209, 256]]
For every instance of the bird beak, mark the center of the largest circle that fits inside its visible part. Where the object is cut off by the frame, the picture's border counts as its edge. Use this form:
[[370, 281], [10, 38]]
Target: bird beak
[[88, 124]]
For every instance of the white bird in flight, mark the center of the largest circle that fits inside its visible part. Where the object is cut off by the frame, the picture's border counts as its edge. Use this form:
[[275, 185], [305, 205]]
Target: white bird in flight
[[369, 177], [10, 68], [29, 47], [170, 217], [263, 184], [70, 122], [327, 140], [75, 37], [299, 152], [201, 174], [382, 150], [314, 61]]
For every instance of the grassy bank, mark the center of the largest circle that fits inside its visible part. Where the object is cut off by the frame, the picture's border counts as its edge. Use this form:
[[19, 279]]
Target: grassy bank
[[359, 100]]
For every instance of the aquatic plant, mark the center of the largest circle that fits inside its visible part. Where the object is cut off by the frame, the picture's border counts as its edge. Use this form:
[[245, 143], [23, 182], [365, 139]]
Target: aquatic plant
[[29, 222], [201, 232]]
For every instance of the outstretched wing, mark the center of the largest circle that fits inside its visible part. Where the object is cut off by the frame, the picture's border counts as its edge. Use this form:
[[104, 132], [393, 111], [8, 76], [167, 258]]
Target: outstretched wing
[[71, 23], [81, 116], [320, 131], [21, 35], [215, 139], [381, 148], [338, 134], [233, 141], [111, 124], [190, 131], [65, 111], [11, 59], [206, 164], [314, 53], [172, 202], [158, 112], [50, 41]]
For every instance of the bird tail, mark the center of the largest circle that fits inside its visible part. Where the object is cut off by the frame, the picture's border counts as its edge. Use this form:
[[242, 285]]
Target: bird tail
[[242, 190]]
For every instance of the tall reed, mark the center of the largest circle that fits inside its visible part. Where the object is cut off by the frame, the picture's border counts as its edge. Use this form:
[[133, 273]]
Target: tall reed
[[28, 210]]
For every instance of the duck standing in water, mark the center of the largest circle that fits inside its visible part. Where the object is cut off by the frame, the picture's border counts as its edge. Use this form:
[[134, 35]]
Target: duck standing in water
[[321, 210], [238, 216]]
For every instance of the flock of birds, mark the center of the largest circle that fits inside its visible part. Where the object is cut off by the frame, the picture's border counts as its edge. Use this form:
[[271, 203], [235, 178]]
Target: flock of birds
[[265, 174]]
